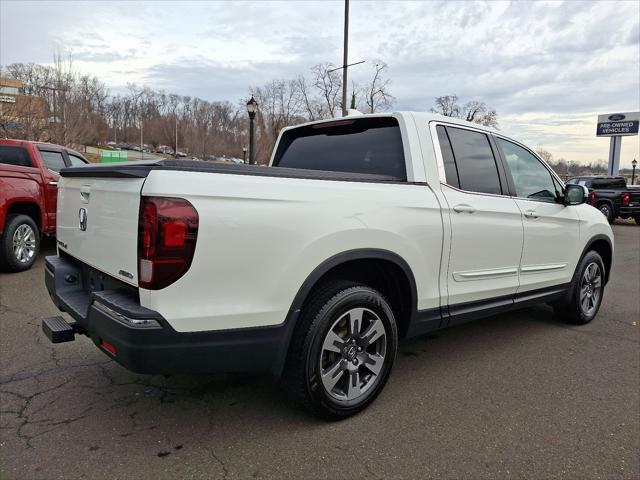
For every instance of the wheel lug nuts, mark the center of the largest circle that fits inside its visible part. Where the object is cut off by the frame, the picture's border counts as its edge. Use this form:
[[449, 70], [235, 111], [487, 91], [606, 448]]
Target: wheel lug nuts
[[359, 349], [355, 362]]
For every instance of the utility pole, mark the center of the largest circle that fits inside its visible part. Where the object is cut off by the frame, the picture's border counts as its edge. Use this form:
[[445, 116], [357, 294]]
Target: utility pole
[[175, 152], [345, 57]]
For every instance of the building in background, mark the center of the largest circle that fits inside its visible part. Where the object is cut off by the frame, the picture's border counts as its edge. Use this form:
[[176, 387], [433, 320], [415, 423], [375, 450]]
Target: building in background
[[21, 116]]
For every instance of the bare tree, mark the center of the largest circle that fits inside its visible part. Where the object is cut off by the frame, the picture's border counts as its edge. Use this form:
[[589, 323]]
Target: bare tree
[[376, 91], [329, 84], [447, 105], [473, 111], [546, 155]]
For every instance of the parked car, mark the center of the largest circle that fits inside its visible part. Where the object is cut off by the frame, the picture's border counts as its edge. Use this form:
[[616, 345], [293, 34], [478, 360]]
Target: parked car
[[363, 231], [611, 196], [28, 193]]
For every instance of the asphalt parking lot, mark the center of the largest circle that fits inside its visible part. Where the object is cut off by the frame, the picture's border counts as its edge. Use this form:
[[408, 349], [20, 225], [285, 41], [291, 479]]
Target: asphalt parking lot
[[516, 395]]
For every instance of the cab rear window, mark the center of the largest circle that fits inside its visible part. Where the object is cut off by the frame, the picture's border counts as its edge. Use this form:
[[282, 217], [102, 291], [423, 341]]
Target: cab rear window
[[15, 156], [371, 146]]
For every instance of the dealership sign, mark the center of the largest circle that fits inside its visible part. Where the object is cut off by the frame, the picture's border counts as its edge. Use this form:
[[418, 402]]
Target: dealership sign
[[618, 124]]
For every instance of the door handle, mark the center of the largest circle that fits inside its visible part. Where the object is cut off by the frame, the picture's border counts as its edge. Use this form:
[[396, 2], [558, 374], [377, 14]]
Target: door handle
[[464, 208], [530, 214], [53, 184], [85, 193]]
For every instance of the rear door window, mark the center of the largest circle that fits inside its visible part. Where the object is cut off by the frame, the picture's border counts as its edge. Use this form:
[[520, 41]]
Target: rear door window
[[76, 161], [475, 162], [53, 160], [15, 156], [613, 183], [371, 146], [450, 170]]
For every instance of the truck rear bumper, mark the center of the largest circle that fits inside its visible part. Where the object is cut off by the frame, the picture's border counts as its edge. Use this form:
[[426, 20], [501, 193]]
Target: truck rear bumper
[[152, 346], [629, 211]]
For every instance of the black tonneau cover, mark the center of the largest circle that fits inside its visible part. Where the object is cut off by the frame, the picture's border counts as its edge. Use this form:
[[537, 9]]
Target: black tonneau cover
[[142, 168]]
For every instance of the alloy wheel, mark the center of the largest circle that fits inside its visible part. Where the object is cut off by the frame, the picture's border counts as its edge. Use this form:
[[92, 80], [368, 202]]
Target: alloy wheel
[[590, 288], [353, 354], [24, 243]]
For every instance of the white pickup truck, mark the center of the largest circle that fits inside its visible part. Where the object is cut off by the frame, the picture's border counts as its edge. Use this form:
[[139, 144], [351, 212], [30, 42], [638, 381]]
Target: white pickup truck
[[361, 231]]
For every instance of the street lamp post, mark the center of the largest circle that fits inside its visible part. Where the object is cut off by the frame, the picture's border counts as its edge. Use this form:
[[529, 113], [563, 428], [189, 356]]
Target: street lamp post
[[244, 154], [634, 163], [252, 108]]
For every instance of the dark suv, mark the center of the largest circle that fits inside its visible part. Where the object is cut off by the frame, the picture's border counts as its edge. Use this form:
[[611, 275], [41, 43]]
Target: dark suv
[[612, 196]]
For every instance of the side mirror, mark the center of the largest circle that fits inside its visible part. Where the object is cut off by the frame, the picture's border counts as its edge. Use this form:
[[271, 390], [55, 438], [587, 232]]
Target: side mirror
[[575, 194]]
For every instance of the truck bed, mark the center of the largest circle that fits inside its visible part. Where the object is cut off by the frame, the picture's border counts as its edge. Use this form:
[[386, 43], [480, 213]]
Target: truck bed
[[141, 169]]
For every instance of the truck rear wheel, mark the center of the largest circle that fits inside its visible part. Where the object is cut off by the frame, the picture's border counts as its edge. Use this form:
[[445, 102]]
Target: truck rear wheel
[[607, 210], [19, 244], [637, 219], [342, 351]]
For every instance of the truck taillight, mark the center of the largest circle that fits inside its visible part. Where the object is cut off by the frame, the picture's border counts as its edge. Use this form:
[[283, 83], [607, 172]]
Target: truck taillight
[[167, 233], [592, 197], [625, 198]]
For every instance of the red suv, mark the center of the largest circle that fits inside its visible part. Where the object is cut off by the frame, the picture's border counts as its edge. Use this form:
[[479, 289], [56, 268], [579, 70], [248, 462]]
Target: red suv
[[28, 196]]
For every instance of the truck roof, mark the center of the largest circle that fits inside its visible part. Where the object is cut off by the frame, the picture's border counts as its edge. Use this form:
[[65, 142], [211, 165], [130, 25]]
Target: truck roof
[[424, 116], [16, 142]]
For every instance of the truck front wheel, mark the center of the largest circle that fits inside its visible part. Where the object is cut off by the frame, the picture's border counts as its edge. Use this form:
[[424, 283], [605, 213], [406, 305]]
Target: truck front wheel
[[19, 244], [342, 351], [585, 292]]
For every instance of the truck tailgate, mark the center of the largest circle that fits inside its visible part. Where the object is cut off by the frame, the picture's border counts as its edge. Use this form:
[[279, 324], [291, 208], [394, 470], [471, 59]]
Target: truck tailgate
[[98, 223]]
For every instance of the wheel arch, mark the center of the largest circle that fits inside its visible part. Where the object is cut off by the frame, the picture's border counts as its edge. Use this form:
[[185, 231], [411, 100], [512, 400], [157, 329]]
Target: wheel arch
[[604, 247], [353, 263], [393, 278], [28, 208]]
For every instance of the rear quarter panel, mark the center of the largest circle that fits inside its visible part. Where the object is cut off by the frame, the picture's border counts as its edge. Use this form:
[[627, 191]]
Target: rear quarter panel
[[20, 184], [261, 237]]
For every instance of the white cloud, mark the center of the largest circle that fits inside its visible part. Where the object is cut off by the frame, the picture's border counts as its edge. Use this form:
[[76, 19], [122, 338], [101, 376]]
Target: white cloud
[[547, 67]]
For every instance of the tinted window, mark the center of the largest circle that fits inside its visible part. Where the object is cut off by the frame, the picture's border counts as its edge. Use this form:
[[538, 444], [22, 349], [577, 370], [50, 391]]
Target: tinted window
[[450, 170], [15, 156], [369, 146], [476, 165], [53, 160], [76, 161], [609, 183], [530, 176]]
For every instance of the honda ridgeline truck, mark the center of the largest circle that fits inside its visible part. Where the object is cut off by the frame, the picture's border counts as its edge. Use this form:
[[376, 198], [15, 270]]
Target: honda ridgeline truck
[[361, 232]]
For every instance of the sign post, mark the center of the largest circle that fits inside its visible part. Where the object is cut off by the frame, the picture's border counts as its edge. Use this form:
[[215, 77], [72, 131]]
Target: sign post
[[616, 126]]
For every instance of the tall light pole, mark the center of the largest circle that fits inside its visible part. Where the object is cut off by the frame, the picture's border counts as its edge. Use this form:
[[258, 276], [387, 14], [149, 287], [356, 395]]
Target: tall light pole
[[175, 152], [141, 143], [252, 108], [634, 164], [345, 56]]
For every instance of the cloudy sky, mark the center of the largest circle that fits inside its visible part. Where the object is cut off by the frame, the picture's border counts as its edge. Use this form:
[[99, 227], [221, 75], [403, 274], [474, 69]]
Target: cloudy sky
[[548, 68]]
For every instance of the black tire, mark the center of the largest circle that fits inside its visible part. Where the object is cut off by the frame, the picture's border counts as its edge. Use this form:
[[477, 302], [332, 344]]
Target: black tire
[[8, 260], [637, 219], [572, 310], [608, 211], [324, 313]]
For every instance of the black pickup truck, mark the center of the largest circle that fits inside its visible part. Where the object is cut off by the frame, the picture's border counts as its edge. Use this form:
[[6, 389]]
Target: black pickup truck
[[612, 196]]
